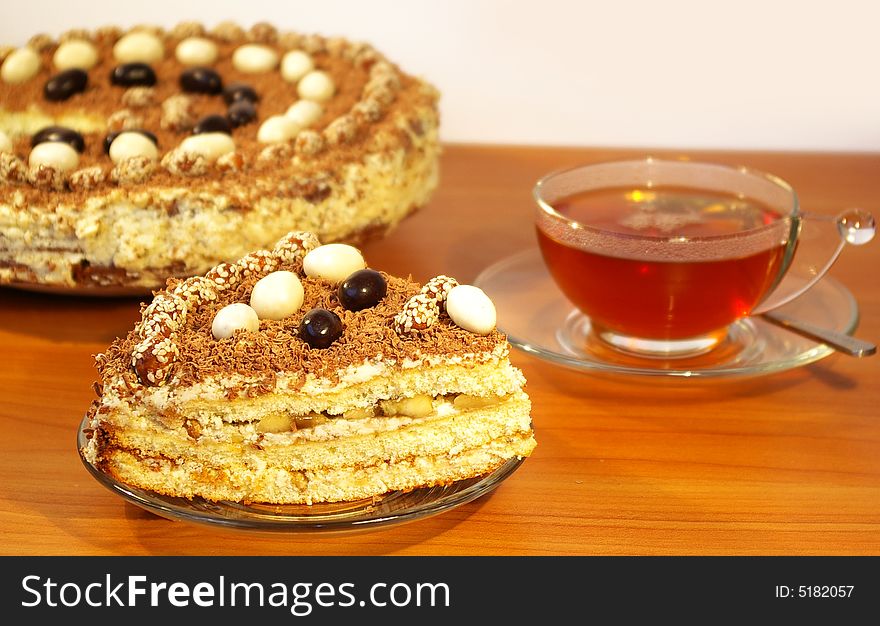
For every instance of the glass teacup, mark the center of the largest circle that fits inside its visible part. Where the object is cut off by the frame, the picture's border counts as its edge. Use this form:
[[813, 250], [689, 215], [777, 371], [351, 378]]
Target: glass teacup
[[663, 256]]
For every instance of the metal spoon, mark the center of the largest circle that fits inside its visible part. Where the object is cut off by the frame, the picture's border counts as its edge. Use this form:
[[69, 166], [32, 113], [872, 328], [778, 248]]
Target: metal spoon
[[839, 341]]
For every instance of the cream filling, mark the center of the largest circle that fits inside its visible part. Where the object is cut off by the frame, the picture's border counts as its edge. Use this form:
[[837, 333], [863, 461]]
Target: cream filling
[[335, 427]]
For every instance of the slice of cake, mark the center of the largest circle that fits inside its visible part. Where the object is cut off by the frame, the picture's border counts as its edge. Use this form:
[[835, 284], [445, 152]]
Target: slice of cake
[[300, 375], [127, 156]]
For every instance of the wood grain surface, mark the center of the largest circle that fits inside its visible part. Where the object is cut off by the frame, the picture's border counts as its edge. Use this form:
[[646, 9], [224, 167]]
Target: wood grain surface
[[786, 464]]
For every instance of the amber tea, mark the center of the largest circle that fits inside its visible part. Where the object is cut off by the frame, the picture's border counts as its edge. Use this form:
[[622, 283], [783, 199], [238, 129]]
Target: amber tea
[[663, 263]]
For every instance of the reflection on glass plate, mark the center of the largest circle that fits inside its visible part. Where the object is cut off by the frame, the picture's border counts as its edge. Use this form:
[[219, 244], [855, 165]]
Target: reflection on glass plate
[[371, 513], [540, 320]]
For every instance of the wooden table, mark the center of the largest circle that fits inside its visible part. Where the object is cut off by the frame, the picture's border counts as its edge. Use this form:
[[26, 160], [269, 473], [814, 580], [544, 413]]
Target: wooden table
[[787, 464]]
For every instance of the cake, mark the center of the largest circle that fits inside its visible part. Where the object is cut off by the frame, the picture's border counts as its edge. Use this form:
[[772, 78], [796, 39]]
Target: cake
[[299, 374], [130, 156]]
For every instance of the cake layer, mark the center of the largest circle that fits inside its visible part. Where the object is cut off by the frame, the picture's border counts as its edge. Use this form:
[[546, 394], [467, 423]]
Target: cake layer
[[279, 486], [421, 454], [359, 388], [143, 241], [339, 442]]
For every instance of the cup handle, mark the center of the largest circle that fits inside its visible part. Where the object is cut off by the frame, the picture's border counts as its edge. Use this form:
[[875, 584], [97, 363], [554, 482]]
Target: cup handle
[[820, 240]]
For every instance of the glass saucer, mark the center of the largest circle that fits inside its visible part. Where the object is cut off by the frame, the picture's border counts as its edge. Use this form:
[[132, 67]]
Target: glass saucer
[[540, 320], [393, 508]]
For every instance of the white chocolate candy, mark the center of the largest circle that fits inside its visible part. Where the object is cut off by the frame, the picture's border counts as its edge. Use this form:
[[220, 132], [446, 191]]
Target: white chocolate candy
[[253, 58], [5, 142], [132, 144], [21, 65], [196, 51], [75, 54], [233, 317], [277, 295], [471, 309], [212, 146], [333, 261], [138, 47], [305, 112], [55, 154], [296, 64], [316, 85], [277, 128]]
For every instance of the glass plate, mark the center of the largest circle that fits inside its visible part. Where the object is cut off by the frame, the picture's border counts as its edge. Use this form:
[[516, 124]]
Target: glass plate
[[393, 508], [540, 320]]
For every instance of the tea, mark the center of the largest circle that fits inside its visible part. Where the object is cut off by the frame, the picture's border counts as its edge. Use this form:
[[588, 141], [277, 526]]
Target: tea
[[638, 261]]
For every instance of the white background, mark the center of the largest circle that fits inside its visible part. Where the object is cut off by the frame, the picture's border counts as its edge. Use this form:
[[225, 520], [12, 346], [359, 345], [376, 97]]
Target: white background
[[744, 74]]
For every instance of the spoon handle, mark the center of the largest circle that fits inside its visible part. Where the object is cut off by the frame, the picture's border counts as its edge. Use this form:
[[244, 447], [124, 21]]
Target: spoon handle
[[839, 341]]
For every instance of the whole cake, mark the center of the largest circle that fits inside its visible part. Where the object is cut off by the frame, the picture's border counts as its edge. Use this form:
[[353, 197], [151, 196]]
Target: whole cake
[[300, 375], [130, 156]]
